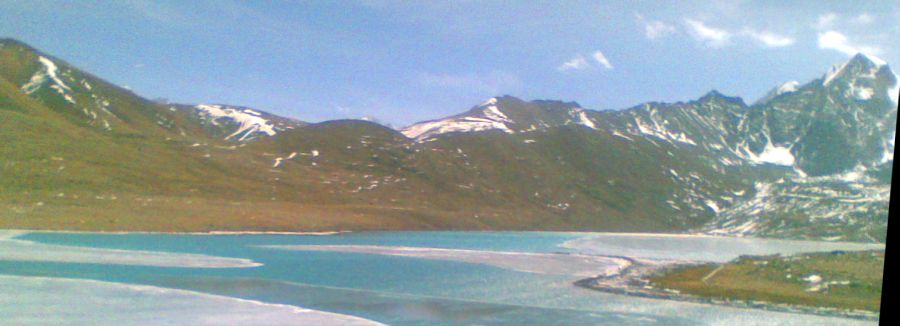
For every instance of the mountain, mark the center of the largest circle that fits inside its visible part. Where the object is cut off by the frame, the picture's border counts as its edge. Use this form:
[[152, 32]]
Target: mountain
[[240, 123], [505, 114], [812, 160], [807, 160]]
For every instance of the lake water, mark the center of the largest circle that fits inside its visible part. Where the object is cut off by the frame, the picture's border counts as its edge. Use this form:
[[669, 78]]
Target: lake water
[[396, 278]]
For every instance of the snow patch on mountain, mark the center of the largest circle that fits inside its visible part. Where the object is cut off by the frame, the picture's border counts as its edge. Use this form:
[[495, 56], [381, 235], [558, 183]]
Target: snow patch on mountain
[[249, 122], [771, 154], [582, 118], [894, 91], [862, 93], [713, 206], [427, 130], [833, 73], [849, 202], [660, 131], [788, 87], [760, 203], [888, 154], [778, 155], [836, 71], [493, 113], [489, 117], [49, 72], [621, 135]]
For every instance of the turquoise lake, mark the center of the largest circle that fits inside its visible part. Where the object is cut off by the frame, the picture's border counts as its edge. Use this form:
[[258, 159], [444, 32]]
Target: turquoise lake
[[414, 291]]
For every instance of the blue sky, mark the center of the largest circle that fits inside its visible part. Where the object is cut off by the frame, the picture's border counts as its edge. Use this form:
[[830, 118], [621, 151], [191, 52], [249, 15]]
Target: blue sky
[[401, 62]]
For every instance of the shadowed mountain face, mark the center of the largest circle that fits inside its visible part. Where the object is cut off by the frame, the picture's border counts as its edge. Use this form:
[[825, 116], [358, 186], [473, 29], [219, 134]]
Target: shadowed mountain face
[[808, 160]]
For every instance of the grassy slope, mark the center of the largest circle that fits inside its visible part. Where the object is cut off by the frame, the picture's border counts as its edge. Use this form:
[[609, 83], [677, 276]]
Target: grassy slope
[[780, 280], [69, 176], [159, 169]]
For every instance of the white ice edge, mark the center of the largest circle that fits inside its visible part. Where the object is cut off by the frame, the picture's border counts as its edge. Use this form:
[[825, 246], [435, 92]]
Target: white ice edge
[[700, 247], [528, 262], [12, 249], [26, 300]]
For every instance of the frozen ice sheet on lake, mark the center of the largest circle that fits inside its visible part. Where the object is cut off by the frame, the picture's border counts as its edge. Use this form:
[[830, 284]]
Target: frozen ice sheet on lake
[[541, 263], [59, 301], [699, 247], [12, 249]]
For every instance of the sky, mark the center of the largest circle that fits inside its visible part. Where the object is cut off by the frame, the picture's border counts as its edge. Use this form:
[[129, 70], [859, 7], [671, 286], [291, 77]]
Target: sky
[[399, 62]]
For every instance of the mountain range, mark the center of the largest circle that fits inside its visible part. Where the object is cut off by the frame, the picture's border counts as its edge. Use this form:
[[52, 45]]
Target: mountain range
[[808, 160]]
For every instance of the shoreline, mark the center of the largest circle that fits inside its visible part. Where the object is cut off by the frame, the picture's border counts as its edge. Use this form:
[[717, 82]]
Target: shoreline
[[315, 233], [633, 281], [567, 244]]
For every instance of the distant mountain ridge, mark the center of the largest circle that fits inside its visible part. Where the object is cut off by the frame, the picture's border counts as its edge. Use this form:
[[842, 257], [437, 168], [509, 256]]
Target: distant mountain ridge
[[515, 116], [809, 160]]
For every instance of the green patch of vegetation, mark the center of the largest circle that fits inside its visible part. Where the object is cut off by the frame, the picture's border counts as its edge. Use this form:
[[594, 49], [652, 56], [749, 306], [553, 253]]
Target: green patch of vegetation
[[844, 280]]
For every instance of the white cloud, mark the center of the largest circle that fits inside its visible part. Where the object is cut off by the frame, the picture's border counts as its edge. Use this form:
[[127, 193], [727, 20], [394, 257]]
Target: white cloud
[[602, 60], [864, 19], [709, 36], [576, 63], [832, 40], [769, 39], [580, 62], [825, 20], [714, 37], [655, 29]]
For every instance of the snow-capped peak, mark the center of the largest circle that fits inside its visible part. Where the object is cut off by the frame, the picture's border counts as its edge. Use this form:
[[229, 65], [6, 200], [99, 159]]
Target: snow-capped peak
[[785, 88], [833, 72], [249, 121], [491, 111], [788, 87], [507, 114], [868, 65], [486, 116], [490, 101], [876, 60]]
